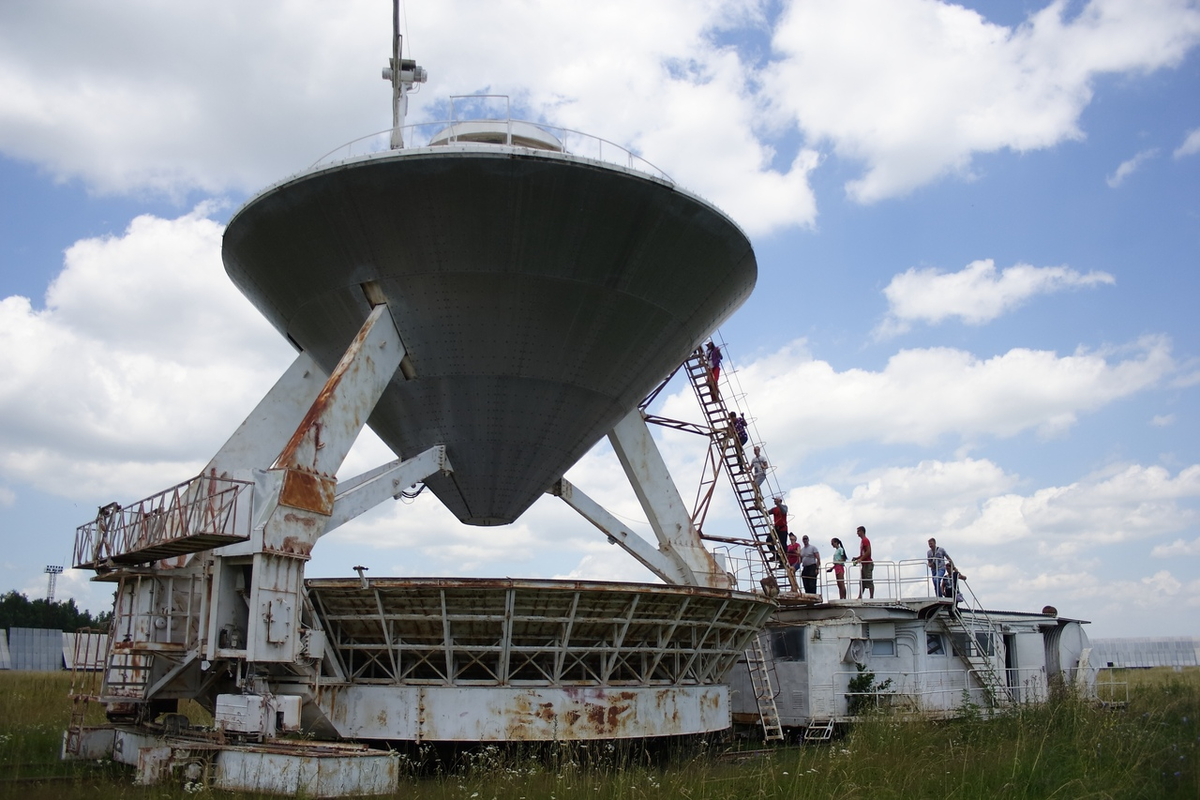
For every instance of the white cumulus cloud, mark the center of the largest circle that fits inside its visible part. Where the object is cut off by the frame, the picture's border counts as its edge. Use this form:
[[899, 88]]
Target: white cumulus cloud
[[913, 89], [976, 294], [1179, 547], [226, 96], [923, 396], [1129, 167], [138, 366], [1191, 144]]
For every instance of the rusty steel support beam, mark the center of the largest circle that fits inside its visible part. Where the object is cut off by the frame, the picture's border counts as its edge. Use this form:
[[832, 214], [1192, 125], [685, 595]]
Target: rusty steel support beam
[[298, 494], [263, 433]]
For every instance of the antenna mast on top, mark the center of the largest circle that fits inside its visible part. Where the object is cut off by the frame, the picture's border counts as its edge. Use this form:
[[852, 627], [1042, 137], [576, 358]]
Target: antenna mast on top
[[403, 73]]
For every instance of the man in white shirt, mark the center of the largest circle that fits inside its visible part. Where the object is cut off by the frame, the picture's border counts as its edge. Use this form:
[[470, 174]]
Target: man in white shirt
[[758, 466]]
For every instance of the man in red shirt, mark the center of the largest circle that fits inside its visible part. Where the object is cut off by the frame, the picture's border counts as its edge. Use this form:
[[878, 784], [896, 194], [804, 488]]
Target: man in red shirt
[[864, 561], [780, 527]]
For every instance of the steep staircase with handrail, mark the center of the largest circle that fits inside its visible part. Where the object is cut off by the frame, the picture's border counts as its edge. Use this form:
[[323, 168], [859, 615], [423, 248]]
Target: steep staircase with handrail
[[727, 450], [968, 629]]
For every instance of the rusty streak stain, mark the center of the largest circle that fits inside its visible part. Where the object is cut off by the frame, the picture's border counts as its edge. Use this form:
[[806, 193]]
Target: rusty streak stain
[[296, 546], [325, 399]]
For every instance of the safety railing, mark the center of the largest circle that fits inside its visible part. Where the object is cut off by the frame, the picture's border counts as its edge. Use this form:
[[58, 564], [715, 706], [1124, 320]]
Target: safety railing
[[746, 567], [947, 692], [908, 579], [203, 512], [894, 580], [420, 135], [1111, 689]]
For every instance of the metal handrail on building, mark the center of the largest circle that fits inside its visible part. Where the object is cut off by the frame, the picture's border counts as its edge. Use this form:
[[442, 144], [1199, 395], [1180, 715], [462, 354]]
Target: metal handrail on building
[[894, 580], [907, 579], [420, 134], [928, 691]]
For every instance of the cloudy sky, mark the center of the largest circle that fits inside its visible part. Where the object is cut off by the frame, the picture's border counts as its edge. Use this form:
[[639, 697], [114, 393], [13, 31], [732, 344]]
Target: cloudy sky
[[977, 227]]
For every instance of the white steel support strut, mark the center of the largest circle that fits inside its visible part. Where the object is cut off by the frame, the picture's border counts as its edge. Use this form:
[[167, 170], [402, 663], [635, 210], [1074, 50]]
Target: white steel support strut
[[259, 438], [680, 557], [669, 518], [363, 492], [296, 497], [664, 564]]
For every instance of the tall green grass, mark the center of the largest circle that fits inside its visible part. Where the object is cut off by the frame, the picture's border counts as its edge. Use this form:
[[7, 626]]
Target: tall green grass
[[1067, 748]]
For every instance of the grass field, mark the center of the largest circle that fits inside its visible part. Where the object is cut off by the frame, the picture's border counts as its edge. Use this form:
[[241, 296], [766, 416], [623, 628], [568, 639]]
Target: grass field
[[1064, 749]]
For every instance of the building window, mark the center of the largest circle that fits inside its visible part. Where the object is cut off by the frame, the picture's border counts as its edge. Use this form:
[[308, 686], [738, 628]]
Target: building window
[[788, 644], [883, 647], [934, 644]]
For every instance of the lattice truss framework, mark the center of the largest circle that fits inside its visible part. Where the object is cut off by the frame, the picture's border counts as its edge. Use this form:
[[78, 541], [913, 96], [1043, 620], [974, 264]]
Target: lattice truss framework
[[527, 633]]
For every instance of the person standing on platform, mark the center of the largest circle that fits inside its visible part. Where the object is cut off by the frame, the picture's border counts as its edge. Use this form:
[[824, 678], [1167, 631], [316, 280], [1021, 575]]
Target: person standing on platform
[[938, 560], [793, 552], [838, 568], [867, 564], [810, 565]]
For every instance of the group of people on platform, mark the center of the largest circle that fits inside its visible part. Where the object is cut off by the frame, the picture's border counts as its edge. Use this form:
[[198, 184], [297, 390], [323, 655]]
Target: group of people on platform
[[802, 555], [805, 558]]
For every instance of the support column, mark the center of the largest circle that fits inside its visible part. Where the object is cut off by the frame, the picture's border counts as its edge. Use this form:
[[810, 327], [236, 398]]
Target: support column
[[301, 487], [669, 518]]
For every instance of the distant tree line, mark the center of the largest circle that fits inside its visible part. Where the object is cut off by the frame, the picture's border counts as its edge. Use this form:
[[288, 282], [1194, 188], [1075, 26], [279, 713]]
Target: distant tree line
[[18, 611]]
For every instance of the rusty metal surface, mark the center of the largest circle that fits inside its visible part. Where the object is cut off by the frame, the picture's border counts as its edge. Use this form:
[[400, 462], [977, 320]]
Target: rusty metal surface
[[291, 767], [308, 491], [312, 773], [503, 632], [539, 297], [515, 714], [198, 514]]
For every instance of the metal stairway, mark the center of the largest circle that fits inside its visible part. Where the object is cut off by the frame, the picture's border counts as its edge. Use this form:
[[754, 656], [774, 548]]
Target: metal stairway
[[725, 449], [972, 635], [764, 694]]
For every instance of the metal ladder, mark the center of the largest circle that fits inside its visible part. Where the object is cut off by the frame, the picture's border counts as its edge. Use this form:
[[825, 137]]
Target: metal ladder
[[764, 694], [819, 730], [87, 675], [727, 450], [128, 675]]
